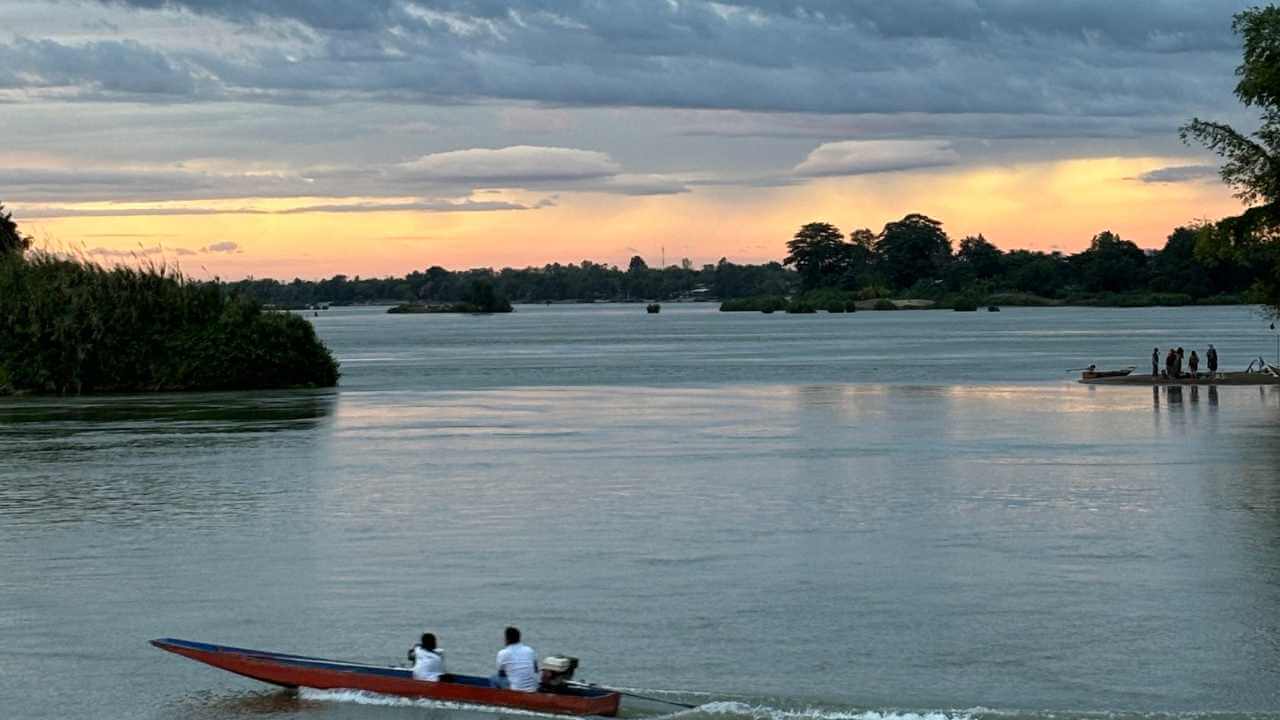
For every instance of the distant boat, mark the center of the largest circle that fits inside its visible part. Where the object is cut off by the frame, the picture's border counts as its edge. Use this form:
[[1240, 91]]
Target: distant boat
[[301, 671], [653, 308], [1092, 374], [993, 308]]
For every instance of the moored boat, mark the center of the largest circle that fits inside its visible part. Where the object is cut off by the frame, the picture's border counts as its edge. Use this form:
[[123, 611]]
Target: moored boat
[[1098, 374], [294, 671]]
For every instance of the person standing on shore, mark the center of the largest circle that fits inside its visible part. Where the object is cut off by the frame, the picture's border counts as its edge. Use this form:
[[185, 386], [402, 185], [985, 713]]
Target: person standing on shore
[[1211, 357], [1193, 364], [1178, 363], [1169, 359], [1155, 362]]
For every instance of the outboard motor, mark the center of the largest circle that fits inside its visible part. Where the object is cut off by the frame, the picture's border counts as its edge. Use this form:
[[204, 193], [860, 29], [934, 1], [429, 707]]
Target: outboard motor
[[557, 671]]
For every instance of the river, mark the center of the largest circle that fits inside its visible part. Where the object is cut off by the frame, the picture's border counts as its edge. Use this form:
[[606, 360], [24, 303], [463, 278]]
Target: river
[[876, 516]]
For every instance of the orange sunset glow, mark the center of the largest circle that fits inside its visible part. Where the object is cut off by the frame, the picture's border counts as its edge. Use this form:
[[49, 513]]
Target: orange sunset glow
[[1043, 206]]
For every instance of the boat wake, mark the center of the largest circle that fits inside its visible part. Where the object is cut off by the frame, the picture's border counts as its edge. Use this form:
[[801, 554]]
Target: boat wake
[[364, 697], [718, 709], [765, 712]]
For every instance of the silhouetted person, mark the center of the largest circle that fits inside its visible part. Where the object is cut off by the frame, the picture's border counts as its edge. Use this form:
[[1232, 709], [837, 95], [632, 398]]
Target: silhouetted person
[[1170, 360], [1194, 363], [1211, 359], [1155, 362], [1179, 364]]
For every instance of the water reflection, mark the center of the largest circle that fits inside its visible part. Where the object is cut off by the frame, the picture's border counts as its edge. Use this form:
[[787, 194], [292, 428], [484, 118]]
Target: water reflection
[[199, 412], [124, 459]]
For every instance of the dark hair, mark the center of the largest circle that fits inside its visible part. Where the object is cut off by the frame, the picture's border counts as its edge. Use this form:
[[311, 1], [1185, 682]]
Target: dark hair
[[513, 635], [428, 641]]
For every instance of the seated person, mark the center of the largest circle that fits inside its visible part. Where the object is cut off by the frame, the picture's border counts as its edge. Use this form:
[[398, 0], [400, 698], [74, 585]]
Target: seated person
[[427, 659], [517, 665]]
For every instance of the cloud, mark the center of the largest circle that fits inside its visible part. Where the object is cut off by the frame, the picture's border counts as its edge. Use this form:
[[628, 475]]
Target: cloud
[[1179, 174], [860, 157], [518, 165], [140, 252], [132, 184], [645, 184], [124, 67], [465, 205], [44, 213], [1092, 57], [225, 246], [426, 205]]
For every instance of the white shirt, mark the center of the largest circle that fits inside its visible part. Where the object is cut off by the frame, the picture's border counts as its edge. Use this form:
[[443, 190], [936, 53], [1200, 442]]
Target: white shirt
[[520, 664], [427, 665]]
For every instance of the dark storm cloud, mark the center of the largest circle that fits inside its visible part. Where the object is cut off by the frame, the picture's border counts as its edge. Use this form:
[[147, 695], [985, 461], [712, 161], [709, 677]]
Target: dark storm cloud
[[951, 56]]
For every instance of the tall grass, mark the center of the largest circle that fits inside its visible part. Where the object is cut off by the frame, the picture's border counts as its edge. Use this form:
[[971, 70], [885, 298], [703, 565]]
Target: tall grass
[[68, 325]]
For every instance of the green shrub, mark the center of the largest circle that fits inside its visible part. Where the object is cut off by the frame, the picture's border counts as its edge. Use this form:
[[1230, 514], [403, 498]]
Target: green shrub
[[1018, 299], [762, 303], [71, 326]]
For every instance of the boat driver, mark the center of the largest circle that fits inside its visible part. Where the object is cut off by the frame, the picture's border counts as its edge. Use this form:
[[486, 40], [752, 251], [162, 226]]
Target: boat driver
[[517, 665], [427, 659]]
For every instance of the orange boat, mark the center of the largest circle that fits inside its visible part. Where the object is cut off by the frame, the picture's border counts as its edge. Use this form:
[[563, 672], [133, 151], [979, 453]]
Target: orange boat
[[294, 671]]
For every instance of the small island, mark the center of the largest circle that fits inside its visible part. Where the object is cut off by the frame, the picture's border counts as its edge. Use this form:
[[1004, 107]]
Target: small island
[[480, 298], [69, 326]]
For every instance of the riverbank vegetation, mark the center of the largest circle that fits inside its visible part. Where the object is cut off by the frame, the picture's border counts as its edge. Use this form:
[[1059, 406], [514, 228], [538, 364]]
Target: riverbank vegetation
[[70, 326], [910, 258]]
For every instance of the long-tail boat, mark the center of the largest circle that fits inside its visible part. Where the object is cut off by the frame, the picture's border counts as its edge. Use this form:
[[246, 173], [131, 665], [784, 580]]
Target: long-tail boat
[[293, 671]]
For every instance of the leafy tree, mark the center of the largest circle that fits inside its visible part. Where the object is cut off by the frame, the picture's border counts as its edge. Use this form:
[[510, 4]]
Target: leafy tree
[[11, 241], [1252, 162], [1040, 273], [819, 253], [862, 259], [912, 250], [637, 265], [1111, 264], [984, 259], [481, 293], [1175, 268]]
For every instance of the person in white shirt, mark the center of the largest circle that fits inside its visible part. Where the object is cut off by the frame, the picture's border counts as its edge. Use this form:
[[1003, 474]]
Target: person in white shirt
[[427, 659], [517, 665]]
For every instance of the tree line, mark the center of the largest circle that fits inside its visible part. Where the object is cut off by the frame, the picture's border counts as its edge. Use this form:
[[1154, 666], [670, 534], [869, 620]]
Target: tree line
[[911, 257]]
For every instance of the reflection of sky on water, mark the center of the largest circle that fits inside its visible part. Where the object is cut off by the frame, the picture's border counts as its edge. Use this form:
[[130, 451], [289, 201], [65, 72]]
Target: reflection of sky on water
[[122, 460], [926, 545]]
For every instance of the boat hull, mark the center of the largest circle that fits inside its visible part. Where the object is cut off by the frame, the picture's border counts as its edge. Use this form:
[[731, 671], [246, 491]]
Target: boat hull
[[300, 671]]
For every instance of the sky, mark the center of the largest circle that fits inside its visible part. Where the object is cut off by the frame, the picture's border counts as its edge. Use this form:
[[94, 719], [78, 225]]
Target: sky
[[307, 138]]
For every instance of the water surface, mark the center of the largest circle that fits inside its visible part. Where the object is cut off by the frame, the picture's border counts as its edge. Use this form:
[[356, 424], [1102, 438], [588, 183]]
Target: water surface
[[777, 516]]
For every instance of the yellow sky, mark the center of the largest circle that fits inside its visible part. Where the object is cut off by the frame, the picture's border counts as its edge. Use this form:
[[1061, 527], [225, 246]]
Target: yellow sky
[[1054, 205]]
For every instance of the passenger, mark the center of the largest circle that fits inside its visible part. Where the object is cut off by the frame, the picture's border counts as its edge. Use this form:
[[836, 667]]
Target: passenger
[[1155, 362], [1211, 357], [427, 659], [517, 665], [1193, 364]]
